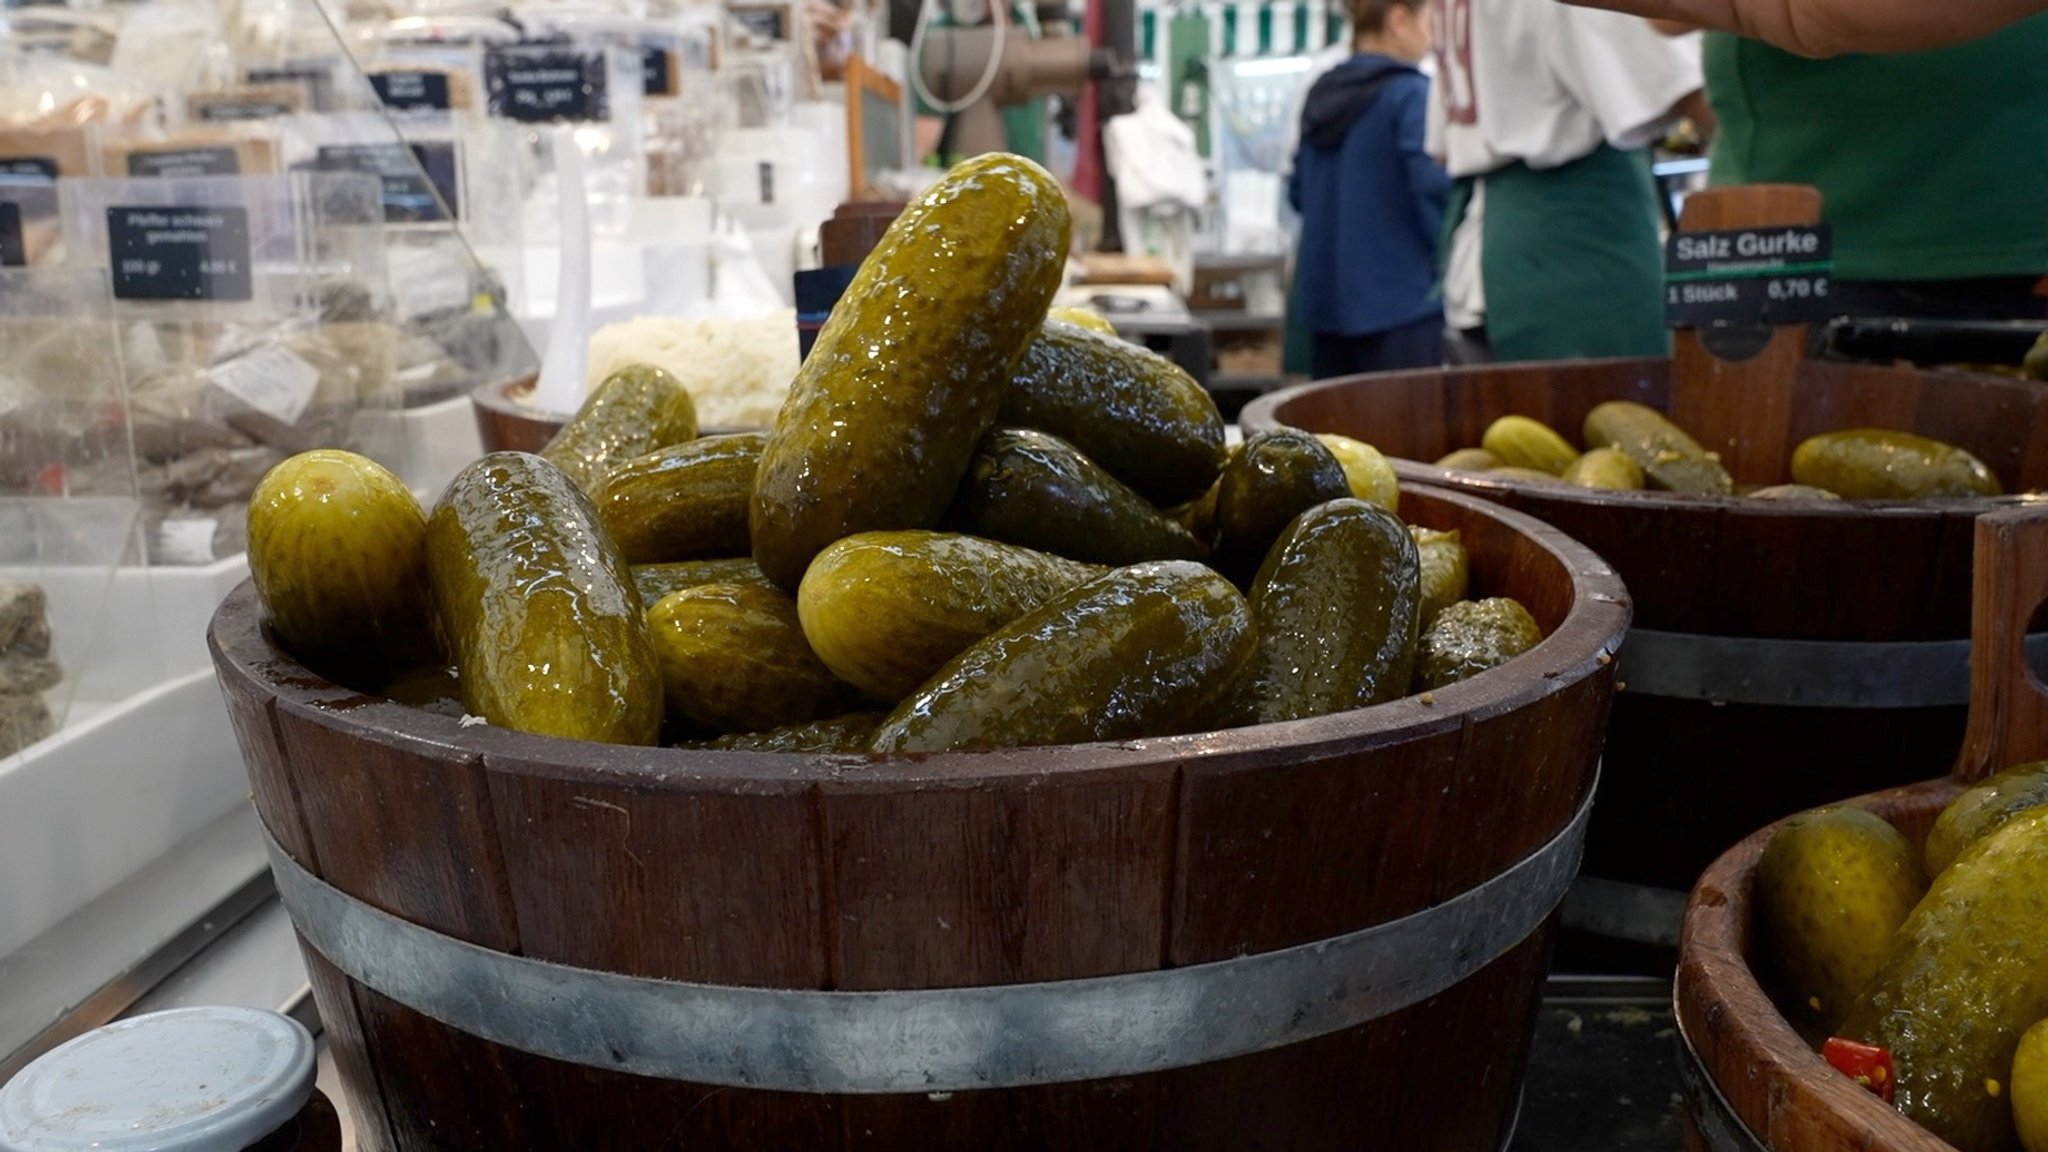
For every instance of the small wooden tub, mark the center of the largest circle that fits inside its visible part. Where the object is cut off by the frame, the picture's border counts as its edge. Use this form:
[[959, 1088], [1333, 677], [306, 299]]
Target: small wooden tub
[[1751, 1082], [1783, 654], [1326, 934], [505, 423]]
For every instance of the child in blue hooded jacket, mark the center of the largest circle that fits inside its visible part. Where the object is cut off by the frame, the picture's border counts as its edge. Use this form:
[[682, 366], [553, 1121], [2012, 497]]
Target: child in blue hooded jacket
[[1371, 201]]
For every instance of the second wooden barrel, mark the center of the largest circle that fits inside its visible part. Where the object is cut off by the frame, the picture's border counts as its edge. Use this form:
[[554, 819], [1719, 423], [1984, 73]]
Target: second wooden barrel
[[1783, 654], [1320, 935]]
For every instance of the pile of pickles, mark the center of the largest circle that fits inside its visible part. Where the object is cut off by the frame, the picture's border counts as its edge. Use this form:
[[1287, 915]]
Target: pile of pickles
[[974, 524], [1632, 447], [1922, 973]]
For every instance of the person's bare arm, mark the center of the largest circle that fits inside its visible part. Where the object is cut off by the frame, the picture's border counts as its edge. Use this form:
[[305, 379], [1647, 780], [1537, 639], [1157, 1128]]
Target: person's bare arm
[[1695, 108], [1827, 27]]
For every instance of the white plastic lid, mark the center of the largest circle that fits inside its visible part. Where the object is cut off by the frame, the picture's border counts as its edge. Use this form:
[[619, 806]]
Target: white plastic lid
[[187, 1080]]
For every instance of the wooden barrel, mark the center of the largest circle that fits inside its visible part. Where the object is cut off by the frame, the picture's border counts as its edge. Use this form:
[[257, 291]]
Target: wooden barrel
[[1783, 654], [1324, 934], [1750, 1082], [505, 423]]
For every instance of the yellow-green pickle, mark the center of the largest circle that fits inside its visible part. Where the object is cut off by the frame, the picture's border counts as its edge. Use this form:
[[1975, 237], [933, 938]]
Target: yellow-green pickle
[[886, 610], [1446, 570], [1671, 460], [1132, 411], [1519, 442], [1981, 810], [337, 549], [1608, 468], [657, 580], [1371, 476], [683, 502], [633, 412], [1273, 478], [548, 633], [847, 734], [2030, 1088], [1832, 888], [734, 659], [1793, 492], [1470, 637], [1880, 464], [1966, 976], [907, 374], [1036, 490], [1471, 460], [1150, 650], [1336, 605]]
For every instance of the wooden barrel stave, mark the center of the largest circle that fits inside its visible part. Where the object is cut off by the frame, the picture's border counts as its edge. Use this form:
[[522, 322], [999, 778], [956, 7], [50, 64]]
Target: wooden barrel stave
[[1123, 860]]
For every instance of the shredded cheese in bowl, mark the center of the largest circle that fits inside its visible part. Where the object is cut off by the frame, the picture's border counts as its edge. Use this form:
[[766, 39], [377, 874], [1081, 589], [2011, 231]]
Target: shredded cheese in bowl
[[737, 370]]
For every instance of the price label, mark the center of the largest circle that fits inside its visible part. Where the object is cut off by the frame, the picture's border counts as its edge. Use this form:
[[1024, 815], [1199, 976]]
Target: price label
[[179, 253], [657, 69], [186, 162], [1758, 277], [406, 91], [539, 86], [13, 245], [36, 168], [229, 111], [272, 379], [412, 176]]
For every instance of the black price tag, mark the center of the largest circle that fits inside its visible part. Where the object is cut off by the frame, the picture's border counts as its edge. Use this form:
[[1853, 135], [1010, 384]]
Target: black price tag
[[538, 86], [657, 68], [411, 175], [13, 245], [412, 91], [179, 253], [16, 168], [1752, 277], [231, 111], [186, 162]]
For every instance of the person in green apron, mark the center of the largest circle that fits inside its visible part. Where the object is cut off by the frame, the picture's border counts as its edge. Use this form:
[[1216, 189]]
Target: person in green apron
[[1815, 28], [1544, 115]]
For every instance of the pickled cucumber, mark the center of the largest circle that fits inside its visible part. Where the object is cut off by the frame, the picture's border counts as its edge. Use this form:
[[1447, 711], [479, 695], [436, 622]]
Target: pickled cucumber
[[1149, 650], [1877, 464], [1832, 888], [842, 734], [909, 371], [1128, 409], [1336, 605], [1471, 460], [886, 610], [1446, 570], [1966, 976], [1372, 478], [1525, 475], [1520, 442], [1036, 490], [2030, 1088], [657, 580], [1608, 468], [548, 633], [1087, 318], [633, 412], [1671, 460], [683, 502], [337, 548], [1981, 810], [734, 659], [1793, 492], [1275, 477], [1470, 637]]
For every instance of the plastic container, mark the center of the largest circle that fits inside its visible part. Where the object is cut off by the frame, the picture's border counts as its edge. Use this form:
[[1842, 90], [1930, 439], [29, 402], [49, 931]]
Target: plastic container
[[187, 1080]]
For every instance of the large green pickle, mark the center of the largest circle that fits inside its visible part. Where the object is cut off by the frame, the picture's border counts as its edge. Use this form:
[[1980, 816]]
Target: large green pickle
[[1832, 888], [1608, 468], [1984, 809], [548, 633], [1036, 490], [1470, 637], [1967, 975], [848, 734], [734, 659], [657, 580], [1670, 459], [1337, 605], [1275, 477], [337, 548], [1879, 464], [909, 371], [634, 411], [1130, 410], [687, 501], [1150, 650], [1446, 570], [885, 610]]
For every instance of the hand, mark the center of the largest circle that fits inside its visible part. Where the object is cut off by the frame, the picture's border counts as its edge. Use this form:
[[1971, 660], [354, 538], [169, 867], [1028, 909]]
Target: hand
[[1826, 27]]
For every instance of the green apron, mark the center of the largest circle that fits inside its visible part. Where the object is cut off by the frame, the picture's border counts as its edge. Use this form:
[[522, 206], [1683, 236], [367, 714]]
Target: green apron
[[1571, 257]]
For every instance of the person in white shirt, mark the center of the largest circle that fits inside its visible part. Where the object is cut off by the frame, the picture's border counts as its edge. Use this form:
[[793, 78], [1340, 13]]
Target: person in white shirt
[[1828, 27], [1544, 113]]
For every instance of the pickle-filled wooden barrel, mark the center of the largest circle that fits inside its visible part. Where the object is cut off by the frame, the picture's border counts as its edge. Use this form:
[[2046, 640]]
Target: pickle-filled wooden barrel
[[1322, 934], [1752, 1081], [1783, 654]]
